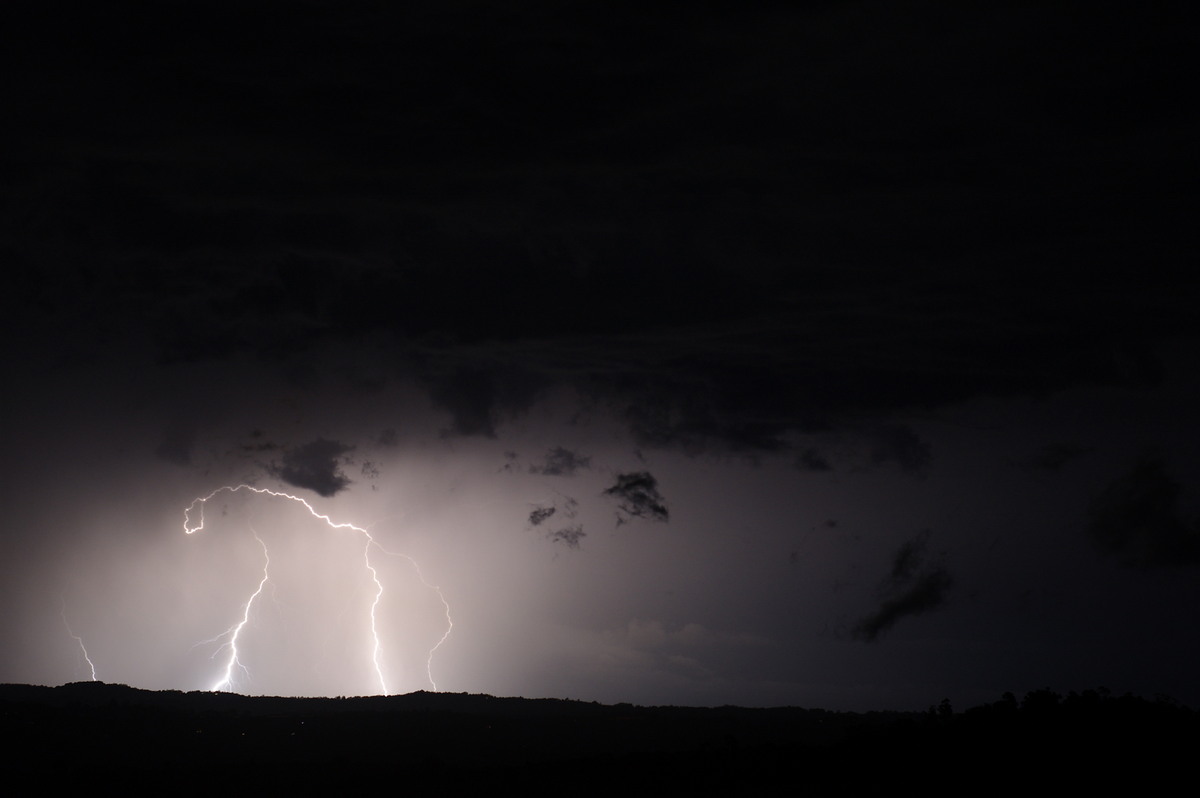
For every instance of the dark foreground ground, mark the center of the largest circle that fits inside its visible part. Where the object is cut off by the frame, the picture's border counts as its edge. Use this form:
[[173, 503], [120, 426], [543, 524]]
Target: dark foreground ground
[[107, 735]]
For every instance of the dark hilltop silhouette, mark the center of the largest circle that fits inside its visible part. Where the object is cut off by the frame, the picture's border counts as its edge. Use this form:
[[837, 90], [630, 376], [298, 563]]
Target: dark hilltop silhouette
[[92, 733]]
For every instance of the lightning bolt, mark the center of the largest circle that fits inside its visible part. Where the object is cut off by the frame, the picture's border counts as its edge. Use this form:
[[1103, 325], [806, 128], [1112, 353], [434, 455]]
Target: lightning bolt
[[193, 521], [234, 631], [445, 610], [78, 640]]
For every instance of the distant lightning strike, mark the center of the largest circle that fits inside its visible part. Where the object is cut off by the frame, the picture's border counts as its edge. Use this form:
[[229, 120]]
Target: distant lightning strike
[[196, 508], [78, 640]]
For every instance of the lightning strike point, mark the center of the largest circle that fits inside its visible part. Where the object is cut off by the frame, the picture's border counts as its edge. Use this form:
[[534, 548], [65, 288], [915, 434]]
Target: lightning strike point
[[79, 640], [193, 521], [236, 630]]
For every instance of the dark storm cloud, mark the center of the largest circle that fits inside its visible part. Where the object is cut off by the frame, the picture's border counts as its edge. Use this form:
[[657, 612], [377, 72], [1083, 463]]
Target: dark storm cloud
[[258, 445], [470, 398], [479, 397], [1137, 520], [560, 462], [912, 587], [761, 221], [568, 506], [638, 497], [571, 536], [927, 593], [540, 514], [315, 466]]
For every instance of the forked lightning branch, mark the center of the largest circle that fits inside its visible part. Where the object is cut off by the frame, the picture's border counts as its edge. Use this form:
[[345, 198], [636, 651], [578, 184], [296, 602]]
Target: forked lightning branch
[[193, 521]]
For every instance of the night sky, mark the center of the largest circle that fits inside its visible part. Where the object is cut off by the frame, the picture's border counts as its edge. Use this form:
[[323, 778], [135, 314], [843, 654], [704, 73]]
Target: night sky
[[836, 354]]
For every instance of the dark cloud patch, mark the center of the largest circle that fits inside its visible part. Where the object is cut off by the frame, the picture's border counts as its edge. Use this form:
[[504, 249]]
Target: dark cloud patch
[[638, 497], [793, 314], [540, 514], [899, 444], [479, 397], [257, 446], [566, 510], [315, 466], [566, 506], [571, 536], [1137, 520], [704, 405], [927, 593], [911, 588], [470, 398], [388, 437], [561, 462]]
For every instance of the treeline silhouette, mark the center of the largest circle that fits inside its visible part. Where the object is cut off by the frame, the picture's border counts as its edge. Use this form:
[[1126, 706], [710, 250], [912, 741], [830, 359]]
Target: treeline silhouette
[[198, 742]]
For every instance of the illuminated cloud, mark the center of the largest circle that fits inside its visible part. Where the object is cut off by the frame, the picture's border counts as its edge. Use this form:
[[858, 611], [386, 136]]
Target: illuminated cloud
[[315, 466]]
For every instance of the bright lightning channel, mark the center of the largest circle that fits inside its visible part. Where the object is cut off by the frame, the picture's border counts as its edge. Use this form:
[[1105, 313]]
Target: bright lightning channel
[[190, 527], [236, 630], [78, 640]]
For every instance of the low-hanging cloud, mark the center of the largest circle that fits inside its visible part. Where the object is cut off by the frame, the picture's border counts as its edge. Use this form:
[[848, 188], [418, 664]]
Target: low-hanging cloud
[[570, 534], [539, 514], [638, 497], [315, 466], [911, 588], [927, 593]]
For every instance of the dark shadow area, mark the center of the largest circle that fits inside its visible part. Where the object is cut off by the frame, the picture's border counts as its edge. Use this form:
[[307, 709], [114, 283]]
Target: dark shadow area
[[192, 743]]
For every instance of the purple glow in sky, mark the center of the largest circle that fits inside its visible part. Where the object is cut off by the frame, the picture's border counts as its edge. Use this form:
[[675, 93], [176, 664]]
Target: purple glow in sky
[[835, 356]]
